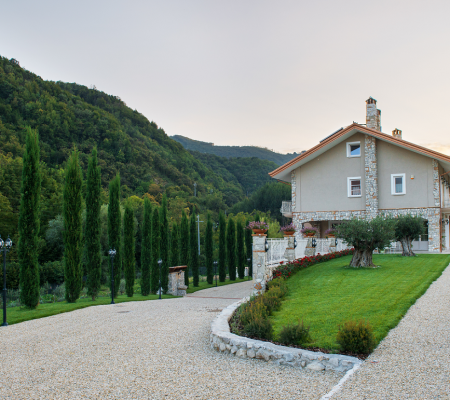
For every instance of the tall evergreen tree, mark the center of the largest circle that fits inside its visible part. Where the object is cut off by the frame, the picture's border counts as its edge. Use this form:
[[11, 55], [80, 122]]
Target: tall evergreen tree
[[129, 256], [115, 230], [209, 249], [164, 246], [155, 251], [231, 249], [73, 228], [29, 222], [184, 244], [93, 248], [222, 248], [175, 246], [193, 249], [240, 249], [146, 255], [249, 248]]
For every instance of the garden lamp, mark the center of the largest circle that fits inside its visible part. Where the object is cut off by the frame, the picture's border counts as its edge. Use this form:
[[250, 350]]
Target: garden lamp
[[266, 246], [5, 246], [215, 270], [112, 254], [160, 288]]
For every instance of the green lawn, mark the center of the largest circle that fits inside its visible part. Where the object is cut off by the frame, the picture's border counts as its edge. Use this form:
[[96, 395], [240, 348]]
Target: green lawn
[[327, 294], [19, 314], [206, 285]]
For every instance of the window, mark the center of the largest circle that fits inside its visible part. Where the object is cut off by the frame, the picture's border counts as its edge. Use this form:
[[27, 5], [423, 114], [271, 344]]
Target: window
[[354, 149], [398, 184], [354, 186]]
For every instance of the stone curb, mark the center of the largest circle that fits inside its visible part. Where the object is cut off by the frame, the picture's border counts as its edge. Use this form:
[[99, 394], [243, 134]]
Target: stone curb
[[226, 342]]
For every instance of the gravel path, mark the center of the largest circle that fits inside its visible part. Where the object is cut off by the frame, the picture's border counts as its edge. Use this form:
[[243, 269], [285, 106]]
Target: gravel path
[[142, 350], [412, 362]]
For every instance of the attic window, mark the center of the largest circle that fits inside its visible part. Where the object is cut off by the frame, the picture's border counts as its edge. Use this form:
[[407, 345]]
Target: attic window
[[354, 149]]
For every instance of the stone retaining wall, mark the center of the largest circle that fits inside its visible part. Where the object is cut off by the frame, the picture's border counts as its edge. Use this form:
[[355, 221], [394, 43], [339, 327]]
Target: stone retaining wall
[[226, 342]]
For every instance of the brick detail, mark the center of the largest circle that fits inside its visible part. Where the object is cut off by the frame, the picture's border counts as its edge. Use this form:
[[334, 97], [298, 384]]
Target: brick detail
[[371, 176]]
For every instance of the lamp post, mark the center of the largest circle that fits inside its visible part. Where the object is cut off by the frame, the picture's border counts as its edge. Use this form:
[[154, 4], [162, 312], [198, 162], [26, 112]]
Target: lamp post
[[160, 288], [215, 270], [249, 260], [5, 246], [112, 254]]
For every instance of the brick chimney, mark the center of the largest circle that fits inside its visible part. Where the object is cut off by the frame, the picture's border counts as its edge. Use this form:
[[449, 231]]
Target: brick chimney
[[373, 115], [397, 133]]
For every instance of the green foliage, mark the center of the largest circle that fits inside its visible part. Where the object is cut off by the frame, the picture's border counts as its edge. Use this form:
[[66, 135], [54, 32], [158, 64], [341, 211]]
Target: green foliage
[[193, 249], [115, 230], [184, 246], [93, 204], [52, 272], [254, 319], [146, 248], [295, 333], [222, 248], [356, 338], [249, 247], [156, 239], [240, 245], [73, 201], [175, 246], [259, 328], [164, 245], [12, 273], [29, 222], [407, 229], [129, 249], [209, 250], [231, 249]]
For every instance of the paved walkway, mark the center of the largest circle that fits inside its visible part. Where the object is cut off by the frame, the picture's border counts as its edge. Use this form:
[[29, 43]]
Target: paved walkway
[[142, 350]]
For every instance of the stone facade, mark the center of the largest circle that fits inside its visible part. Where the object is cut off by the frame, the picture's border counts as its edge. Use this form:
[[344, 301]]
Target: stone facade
[[290, 249], [373, 116], [261, 271], [435, 166], [223, 340], [371, 176], [293, 191], [176, 281]]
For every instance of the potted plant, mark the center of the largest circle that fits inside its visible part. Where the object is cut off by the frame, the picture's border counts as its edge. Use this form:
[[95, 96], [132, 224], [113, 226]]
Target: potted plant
[[310, 231], [258, 227], [330, 233], [288, 230]]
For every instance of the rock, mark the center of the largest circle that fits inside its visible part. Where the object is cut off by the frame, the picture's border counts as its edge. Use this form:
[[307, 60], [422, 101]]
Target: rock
[[251, 353], [315, 366], [222, 346], [241, 353]]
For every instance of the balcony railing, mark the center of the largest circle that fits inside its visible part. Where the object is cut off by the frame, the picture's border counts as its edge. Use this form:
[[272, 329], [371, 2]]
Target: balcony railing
[[446, 203], [286, 207]]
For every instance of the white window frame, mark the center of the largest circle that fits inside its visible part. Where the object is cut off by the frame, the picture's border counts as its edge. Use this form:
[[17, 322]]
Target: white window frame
[[348, 149], [349, 188], [393, 176]]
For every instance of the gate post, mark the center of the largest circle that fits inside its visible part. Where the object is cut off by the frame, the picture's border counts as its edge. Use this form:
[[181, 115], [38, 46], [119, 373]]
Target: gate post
[[310, 250], [290, 250], [259, 263]]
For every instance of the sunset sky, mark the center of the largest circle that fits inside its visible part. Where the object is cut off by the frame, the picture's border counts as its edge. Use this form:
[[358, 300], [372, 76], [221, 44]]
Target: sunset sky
[[278, 74]]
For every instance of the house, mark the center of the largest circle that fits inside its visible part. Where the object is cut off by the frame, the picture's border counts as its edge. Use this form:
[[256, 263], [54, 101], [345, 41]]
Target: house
[[360, 172]]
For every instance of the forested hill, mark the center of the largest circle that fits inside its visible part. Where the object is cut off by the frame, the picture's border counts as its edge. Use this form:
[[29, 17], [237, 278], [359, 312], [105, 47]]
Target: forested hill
[[235, 151]]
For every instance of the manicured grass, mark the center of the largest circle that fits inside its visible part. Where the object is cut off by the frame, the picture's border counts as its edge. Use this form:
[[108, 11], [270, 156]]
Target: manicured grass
[[327, 294], [206, 285], [20, 314]]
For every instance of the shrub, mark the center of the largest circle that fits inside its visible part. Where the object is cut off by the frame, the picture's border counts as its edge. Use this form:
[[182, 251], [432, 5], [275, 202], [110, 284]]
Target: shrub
[[259, 327], [272, 299], [294, 334], [52, 272], [355, 337], [253, 310], [122, 286], [278, 283], [60, 292]]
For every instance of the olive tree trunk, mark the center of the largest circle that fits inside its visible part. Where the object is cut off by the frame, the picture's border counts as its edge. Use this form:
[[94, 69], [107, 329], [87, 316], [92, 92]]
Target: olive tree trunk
[[406, 245], [362, 258]]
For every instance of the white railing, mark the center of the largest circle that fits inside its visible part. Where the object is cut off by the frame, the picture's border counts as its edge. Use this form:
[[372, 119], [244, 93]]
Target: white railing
[[286, 207], [277, 250]]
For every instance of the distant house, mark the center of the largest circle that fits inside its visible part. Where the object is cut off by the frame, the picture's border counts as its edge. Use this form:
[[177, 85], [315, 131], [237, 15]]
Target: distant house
[[358, 171]]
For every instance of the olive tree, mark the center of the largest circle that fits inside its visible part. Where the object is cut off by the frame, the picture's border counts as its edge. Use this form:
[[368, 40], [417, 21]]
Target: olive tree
[[408, 228]]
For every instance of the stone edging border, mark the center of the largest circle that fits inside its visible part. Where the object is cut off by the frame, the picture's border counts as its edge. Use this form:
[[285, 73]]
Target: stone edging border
[[226, 342]]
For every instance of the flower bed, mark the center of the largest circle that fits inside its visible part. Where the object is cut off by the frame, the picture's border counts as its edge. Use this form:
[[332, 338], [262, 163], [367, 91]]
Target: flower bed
[[286, 270]]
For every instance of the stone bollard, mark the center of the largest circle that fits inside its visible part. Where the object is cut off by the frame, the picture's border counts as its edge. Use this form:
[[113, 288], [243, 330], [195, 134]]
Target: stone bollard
[[259, 263], [310, 250], [176, 281], [290, 250]]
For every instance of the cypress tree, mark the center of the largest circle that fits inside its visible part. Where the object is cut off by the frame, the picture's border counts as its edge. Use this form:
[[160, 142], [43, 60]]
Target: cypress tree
[[129, 250], [175, 246], [114, 229], [155, 251], [240, 249], [209, 250], [93, 248], [249, 247], [184, 246], [193, 250], [164, 245], [231, 249], [29, 222], [222, 248], [73, 228], [146, 254]]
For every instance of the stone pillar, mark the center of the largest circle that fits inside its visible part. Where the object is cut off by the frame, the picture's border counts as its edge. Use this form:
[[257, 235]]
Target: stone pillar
[[176, 281], [434, 230], [293, 192], [371, 176], [290, 249], [332, 244], [310, 250], [259, 264]]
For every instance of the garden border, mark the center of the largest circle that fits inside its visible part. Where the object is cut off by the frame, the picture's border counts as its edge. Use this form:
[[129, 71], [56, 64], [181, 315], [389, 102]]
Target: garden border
[[224, 341]]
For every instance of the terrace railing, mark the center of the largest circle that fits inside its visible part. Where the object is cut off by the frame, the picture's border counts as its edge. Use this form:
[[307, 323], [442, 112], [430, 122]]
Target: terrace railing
[[286, 207]]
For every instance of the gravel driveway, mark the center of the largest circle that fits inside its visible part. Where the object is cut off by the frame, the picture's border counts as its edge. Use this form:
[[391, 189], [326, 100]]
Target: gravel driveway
[[142, 350]]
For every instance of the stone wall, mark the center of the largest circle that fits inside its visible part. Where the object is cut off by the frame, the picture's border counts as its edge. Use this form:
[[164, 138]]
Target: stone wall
[[176, 285], [261, 270], [371, 176], [223, 340]]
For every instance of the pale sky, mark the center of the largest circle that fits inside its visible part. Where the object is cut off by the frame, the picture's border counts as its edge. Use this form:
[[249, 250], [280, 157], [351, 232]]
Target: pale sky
[[278, 74]]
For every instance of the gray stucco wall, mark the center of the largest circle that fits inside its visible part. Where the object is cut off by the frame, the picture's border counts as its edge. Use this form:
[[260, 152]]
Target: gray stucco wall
[[395, 160], [322, 182]]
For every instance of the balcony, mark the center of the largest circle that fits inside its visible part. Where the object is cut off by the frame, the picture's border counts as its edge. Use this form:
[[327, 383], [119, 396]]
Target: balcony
[[286, 209]]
